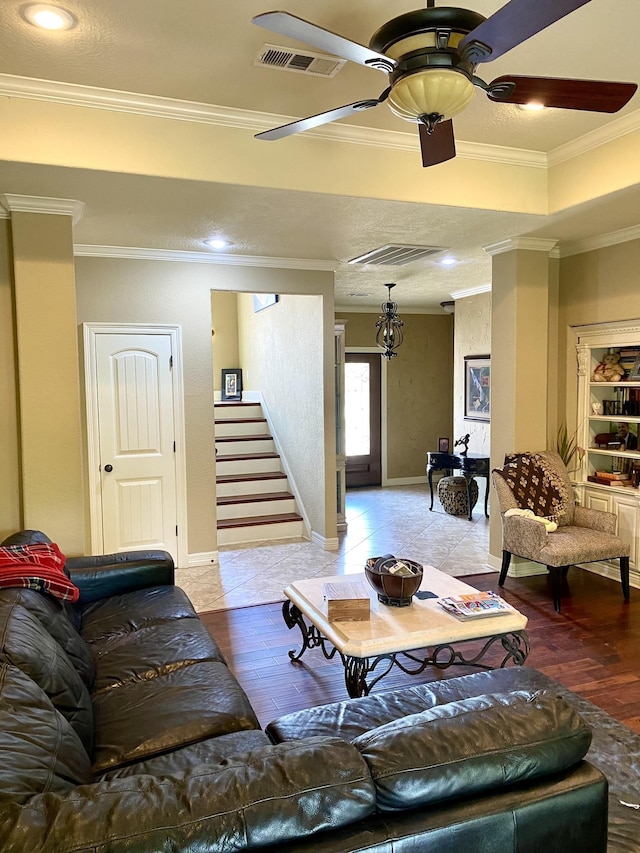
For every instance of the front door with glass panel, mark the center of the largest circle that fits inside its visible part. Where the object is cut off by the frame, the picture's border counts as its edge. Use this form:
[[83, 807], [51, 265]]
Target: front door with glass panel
[[362, 419]]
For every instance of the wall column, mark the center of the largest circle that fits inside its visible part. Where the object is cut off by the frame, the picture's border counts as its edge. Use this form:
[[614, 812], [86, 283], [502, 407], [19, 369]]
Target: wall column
[[48, 370], [521, 280]]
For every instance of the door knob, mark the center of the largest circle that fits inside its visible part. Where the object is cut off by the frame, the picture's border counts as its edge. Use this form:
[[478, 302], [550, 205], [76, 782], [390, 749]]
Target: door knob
[[108, 468]]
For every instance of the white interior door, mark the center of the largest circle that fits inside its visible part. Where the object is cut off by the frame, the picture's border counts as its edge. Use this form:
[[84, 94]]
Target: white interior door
[[136, 441]]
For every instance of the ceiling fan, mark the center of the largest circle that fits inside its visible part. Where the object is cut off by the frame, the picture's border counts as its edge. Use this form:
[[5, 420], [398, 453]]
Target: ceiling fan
[[431, 55]]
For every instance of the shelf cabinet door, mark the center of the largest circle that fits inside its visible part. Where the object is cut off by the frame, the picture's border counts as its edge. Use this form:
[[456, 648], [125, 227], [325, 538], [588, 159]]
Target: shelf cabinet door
[[626, 508], [597, 500]]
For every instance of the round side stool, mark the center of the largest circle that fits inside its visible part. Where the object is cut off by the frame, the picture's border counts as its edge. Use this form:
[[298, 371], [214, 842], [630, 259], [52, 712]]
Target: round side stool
[[452, 492]]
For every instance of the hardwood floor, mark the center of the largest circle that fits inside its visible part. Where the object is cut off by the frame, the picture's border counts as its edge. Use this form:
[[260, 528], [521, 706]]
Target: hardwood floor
[[591, 647]]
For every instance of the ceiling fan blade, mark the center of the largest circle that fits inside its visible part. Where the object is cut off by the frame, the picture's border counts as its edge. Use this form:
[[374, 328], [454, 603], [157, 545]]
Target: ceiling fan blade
[[592, 95], [439, 146], [514, 23], [321, 118], [301, 30]]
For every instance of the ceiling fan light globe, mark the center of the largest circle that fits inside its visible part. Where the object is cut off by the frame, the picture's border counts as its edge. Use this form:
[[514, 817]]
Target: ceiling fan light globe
[[440, 91]]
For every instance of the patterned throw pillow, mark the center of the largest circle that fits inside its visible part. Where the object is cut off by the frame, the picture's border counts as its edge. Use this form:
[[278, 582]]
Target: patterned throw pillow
[[39, 567], [535, 485]]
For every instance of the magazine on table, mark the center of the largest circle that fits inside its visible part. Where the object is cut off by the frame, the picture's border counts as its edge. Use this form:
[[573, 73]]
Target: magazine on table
[[475, 605]]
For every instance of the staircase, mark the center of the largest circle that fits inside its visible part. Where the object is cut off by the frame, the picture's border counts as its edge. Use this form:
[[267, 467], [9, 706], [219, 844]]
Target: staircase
[[253, 498]]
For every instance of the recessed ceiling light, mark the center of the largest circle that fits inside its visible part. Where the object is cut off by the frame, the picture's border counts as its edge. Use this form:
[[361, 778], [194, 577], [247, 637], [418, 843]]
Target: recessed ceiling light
[[217, 243], [532, 107], [48, 17], [448, 262]]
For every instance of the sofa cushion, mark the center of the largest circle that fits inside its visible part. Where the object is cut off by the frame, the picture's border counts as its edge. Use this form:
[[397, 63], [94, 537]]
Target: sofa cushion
[[147, 717], [265, 798], [56, 617], [27, 645], [39, 750], [178, 763], [151, 651], [131, 611], [476, 744]]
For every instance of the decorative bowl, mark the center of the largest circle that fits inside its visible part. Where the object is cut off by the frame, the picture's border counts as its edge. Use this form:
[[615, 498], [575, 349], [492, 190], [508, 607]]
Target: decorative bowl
[[395, 579]]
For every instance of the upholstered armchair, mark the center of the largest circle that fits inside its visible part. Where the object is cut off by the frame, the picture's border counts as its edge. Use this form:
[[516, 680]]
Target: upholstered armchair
[[539, 482]]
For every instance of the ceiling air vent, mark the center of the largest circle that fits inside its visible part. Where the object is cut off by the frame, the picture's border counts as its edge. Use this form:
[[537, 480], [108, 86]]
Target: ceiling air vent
[[396, 255], [316, 64]]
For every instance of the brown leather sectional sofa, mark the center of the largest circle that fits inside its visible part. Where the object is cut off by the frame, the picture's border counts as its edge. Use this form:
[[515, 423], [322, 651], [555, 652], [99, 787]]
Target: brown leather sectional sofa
[[122, 730]]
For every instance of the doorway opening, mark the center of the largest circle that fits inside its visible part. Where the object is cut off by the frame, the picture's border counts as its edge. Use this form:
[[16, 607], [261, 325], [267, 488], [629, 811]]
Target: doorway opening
[[363, 419]]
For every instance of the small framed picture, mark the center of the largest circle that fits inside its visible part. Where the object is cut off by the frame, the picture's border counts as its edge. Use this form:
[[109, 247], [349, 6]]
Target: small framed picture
[[232, 384], [443, 445], [477, 387]]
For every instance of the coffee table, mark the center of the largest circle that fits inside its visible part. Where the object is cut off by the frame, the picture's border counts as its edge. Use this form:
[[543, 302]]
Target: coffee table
[[370, 650]]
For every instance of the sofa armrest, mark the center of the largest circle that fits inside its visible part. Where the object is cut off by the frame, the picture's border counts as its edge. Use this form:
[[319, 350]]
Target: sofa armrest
[[595, 519], [268, 796], [478, 744], [114, 574]]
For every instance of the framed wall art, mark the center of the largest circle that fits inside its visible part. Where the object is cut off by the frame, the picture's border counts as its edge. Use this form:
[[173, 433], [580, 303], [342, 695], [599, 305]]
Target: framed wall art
[[477, 387], [232, 384]]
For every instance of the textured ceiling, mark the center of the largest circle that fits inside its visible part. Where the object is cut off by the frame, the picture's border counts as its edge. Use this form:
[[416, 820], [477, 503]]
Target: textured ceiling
[[203, 51]]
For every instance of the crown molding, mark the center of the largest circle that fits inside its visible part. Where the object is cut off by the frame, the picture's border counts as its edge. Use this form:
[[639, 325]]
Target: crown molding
[[32, 88], [577, 247], [39, 204], [531, 244], [375, 309], [471, 291], [620, 126], [83, 250]]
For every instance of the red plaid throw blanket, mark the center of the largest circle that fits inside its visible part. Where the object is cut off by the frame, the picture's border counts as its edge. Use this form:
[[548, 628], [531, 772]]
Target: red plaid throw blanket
[[39, 567]]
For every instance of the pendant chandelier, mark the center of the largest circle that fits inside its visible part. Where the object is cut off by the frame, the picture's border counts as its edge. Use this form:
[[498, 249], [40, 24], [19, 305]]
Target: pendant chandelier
[[389, 325]]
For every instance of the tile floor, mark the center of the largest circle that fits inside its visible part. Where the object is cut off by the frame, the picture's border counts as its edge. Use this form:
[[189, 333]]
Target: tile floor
[[393, 520]]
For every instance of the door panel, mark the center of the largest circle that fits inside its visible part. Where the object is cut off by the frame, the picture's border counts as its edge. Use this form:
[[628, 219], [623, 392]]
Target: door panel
[[136, 442], [363, 430]]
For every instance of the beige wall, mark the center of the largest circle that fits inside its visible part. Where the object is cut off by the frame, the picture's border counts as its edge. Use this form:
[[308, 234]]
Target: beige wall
[[224, 335], [281, 353], [124, 291], [601, 286], [10, 498], [419, 387], [49, 395], [472, 336]]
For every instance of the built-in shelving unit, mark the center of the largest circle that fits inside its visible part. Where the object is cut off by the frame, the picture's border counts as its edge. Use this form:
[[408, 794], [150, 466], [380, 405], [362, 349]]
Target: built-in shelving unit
[[602, 407]]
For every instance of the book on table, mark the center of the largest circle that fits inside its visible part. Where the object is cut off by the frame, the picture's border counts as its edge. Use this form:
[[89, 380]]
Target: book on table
[[475, 605]]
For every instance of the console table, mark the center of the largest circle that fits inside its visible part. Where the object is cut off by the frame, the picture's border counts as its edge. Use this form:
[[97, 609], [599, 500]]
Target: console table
[[470, 466]]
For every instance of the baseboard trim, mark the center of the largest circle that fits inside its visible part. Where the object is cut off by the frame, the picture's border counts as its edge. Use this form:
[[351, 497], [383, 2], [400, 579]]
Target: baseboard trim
[[520, 568], [612, 571], [206, 558], [405, 481], [326, 543], [494, 563]]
